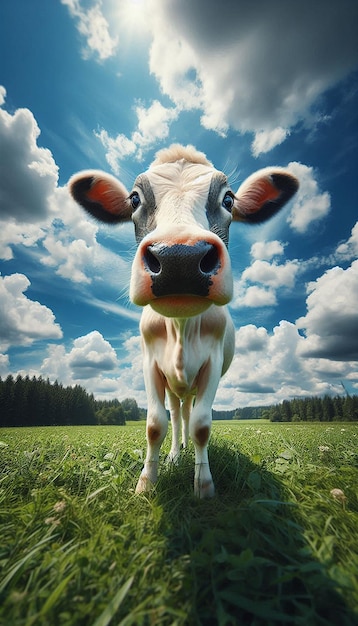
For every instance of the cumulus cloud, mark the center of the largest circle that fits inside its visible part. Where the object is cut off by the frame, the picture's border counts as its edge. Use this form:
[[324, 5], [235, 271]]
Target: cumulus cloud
[[309, 204], [91, 361], [331, 322], [270, 278], [152, 126], [41, 218], [22, 320], [69, 258], [14, 234], [349, 249], [268, 368], [272, 274], [265, 140], [28, 173], [2, 95], [94, 27], [4, 365], [266, 250], [88, 357], [249, 338], [253, 296], [253, 67], [91, 355]]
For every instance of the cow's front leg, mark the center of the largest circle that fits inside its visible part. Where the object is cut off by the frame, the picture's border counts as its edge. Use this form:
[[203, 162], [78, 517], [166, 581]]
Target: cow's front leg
[[157, 426], [185, 411], [174, 408], [200, 426]]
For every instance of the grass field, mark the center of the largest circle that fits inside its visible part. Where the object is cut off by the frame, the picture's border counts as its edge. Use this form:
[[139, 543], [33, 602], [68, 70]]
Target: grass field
[[275, 546]]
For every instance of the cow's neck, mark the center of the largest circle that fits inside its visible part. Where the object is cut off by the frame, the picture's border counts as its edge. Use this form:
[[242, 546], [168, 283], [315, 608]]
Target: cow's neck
[[180, 327]]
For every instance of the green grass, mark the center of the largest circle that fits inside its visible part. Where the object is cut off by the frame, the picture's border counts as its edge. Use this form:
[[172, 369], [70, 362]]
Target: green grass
[[273, 547]]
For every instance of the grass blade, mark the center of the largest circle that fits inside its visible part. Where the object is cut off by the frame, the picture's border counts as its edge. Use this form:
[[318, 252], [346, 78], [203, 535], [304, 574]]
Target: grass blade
[[22, 562], [52, 599], [112, 607]]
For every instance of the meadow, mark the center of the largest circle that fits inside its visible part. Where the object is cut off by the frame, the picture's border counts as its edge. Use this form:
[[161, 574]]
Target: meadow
[[278, 544]]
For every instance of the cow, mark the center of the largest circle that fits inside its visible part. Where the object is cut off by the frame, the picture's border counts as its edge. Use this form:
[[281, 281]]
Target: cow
[[181, 275]]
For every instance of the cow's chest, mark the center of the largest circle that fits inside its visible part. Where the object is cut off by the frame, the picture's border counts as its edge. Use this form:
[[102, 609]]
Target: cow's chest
[[179, 349]]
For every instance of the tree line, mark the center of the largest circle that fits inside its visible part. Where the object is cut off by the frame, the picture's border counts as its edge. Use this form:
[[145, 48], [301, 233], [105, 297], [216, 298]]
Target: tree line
[[314, 409], [26, 401], [310, 409]]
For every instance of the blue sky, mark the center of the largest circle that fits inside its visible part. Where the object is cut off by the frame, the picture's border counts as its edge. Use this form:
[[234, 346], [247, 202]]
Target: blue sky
[[104, 85]]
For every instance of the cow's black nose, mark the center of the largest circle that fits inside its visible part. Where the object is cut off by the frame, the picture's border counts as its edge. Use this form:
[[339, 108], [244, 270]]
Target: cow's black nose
[[180, 268]]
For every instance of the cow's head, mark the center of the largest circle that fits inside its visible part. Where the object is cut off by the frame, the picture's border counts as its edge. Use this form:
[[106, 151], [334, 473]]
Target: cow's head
[[182, 208]]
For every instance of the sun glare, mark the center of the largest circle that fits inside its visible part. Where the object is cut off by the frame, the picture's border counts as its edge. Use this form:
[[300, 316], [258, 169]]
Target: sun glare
[[133, 16]]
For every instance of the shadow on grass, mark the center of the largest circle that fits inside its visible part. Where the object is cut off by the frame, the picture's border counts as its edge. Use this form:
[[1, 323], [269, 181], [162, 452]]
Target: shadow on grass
[[243, 555]]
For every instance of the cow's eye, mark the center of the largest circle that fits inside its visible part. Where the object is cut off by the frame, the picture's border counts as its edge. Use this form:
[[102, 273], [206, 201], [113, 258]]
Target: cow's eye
[[228, 201], [135, 200]]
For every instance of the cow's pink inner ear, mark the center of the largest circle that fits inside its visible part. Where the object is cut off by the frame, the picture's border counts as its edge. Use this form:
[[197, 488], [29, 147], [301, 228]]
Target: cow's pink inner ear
[[102, 193], [256, 196]]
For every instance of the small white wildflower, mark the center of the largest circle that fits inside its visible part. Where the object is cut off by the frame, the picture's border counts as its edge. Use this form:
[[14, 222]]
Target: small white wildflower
[[343, 430], [323, 448], [52, 521], [109, 456], [138, 453], [59, 507], [258, 432], [338, 494]]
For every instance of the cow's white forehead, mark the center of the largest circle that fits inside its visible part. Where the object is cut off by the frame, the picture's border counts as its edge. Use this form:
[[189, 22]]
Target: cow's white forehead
[[180, 178]]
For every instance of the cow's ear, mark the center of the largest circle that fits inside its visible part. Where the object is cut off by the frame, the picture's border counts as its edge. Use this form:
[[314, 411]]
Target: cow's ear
[[102, 195], [261, 195]]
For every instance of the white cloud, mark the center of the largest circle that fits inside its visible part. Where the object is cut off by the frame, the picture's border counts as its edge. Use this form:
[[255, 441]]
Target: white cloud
[[118, 148], [266, 250], [68, 257], [272, 274], [87, 359], [331, 322], [42, 218], [94, 27], [269, 276], [22, 320], [28, 173], [349, 249], [153, 123], [249, 338], [265, 140], [12, 234], [153, 126], [268, 368], [4, 365], [92, 362], [253, 296], [2, 95], [253, 67], [309, 204], [91, 355]]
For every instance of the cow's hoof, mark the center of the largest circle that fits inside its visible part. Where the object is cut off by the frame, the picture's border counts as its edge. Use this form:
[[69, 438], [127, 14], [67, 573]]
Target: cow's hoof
[[144, 485], [173, 457], [204, 488]]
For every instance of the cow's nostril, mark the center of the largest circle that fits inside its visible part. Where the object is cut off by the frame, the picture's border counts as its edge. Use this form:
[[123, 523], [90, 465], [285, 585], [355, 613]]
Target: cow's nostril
[[151, 261], [210, 261]]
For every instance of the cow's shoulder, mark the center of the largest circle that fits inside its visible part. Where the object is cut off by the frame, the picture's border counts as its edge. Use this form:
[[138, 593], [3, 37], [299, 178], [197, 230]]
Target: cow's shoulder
[[152, 325]]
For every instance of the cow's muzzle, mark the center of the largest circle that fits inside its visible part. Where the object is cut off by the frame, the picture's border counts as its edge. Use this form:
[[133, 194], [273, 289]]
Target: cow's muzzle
[[181, 269], [186, 275]]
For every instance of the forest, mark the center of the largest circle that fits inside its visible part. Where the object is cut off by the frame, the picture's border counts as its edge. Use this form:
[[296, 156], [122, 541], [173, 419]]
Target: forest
[[26, 401], [37, 402]]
